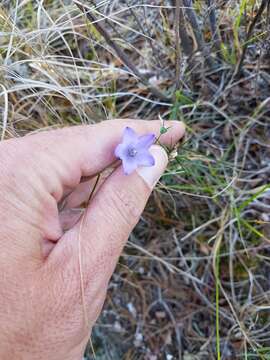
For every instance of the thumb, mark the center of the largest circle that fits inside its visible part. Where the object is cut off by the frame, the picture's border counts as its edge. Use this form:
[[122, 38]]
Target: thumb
[[112, 215], [85, 257]]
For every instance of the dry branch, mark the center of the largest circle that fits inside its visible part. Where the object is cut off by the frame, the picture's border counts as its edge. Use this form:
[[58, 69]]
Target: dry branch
[[198, 32], [185, 39], [123, 57], [213, 23], [257, 17], [177, 44]]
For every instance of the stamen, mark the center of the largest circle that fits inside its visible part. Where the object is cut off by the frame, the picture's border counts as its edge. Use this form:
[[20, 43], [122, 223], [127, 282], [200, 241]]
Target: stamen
[[132, 152]]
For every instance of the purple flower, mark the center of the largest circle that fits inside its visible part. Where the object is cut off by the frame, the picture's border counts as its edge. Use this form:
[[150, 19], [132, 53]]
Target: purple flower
[[134, 150]]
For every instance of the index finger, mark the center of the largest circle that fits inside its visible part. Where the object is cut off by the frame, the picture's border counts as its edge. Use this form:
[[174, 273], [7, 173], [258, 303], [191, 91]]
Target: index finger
[[92, 146], [62, 157]]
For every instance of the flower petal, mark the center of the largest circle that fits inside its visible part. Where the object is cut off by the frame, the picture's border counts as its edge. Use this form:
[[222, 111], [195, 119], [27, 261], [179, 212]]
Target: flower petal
[[144, 158], [120, 151], [129, 136], [145, 141], [129, 165]]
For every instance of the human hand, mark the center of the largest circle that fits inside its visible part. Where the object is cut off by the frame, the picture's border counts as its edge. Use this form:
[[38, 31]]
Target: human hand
[[41, 297]]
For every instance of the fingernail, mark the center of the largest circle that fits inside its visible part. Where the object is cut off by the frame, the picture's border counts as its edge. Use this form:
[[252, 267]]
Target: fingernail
[[152, 174], [178, 125]]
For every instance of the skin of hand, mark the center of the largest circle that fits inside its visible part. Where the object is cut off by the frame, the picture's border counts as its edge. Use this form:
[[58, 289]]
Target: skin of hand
[[41, 305]]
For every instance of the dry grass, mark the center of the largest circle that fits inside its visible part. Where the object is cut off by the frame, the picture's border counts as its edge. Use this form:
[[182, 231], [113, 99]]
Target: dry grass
[[193, 282]]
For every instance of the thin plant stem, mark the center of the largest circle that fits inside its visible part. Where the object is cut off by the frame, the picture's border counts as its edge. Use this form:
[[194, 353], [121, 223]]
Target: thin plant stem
[[86, 320], [93, 190]]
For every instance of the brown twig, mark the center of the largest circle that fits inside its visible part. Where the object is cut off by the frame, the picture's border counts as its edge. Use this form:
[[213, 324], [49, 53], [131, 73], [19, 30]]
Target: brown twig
[[257, 17], [213, 23], [177, 44], [123, 57], [198, 32], [186, 42]]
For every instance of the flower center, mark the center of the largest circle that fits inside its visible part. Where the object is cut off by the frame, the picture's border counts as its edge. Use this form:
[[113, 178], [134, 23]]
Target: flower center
[[132, 152]]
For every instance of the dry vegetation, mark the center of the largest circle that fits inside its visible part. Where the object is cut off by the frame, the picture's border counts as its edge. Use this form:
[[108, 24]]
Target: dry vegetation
[[193, 282]]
